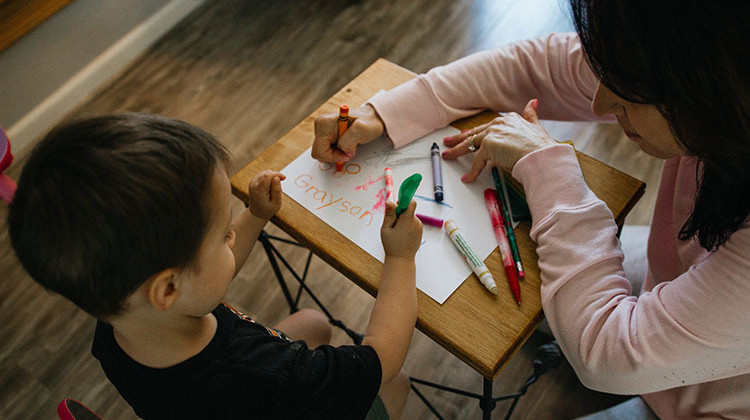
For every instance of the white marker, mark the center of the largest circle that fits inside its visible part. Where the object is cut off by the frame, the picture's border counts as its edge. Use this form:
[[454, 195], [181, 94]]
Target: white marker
[[389, 185], [471, 257]]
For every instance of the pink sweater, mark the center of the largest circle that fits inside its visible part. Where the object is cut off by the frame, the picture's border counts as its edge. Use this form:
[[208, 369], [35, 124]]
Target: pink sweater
[[684, 343]]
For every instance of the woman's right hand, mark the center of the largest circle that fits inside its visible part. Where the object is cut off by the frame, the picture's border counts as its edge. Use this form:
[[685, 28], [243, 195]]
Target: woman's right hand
[[366, 126]]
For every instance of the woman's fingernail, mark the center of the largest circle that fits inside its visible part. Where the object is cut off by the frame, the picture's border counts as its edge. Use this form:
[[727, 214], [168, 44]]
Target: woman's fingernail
[[464, 178], [463, 131], [447, 138], [349, 154], [535, 104]]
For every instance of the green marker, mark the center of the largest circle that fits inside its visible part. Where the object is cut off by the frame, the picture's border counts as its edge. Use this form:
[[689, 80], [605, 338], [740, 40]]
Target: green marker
[[502, 193], [406, 192]]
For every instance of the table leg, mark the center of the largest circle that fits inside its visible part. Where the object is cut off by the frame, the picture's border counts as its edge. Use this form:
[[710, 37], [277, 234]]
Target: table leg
[[487, 402], [272, 253], [268, 247]]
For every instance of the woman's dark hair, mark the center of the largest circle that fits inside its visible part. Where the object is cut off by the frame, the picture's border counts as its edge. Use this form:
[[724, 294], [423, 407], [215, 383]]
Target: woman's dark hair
[[105, 203], [690, 60]]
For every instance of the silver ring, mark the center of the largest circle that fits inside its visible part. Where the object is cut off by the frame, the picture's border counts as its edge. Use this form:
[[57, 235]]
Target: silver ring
[[472, 148]]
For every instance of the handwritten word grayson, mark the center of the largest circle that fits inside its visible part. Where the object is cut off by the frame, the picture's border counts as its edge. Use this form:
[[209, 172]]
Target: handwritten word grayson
[[327, 199]]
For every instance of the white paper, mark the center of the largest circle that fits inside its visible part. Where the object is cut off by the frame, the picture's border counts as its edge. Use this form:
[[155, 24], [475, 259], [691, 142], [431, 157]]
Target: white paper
[[353, 201]]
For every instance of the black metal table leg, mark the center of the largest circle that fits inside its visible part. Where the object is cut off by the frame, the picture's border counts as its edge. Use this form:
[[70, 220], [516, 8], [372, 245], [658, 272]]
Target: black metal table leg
[[268, 247], [487, 402], [274, 256]]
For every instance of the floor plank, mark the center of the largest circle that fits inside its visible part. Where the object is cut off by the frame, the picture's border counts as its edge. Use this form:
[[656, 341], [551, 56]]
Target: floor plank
[[249, 71]]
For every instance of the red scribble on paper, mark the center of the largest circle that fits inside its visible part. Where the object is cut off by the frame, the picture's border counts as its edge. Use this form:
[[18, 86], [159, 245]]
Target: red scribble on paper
[[368, 183], [380, 203]]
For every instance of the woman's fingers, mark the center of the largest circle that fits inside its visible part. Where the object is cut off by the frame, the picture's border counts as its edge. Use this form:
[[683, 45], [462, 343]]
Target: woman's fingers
[[503, 141], [458, 138], [357, 134], [477, 165], [529, 111], [326, 135], [468, 144]]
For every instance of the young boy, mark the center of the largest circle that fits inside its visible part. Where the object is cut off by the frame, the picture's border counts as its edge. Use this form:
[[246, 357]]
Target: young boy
[[129, 217]]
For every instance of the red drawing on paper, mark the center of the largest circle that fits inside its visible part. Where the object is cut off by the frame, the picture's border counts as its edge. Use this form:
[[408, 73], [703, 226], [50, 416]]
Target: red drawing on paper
[[379, 205], [369, 182]]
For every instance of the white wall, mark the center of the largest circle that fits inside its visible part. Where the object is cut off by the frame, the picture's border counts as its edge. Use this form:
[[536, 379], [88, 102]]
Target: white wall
[[53, 68]]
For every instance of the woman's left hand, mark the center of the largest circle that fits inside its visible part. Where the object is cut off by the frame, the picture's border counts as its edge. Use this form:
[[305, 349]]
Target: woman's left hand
[[501, 142]]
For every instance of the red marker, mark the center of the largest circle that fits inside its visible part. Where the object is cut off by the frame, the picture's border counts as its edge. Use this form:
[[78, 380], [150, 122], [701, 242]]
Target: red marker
[[343, 125], [498, 225]]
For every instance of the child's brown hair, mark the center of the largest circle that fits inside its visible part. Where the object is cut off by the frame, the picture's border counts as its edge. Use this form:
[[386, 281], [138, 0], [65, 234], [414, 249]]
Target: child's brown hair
[[105, 203]]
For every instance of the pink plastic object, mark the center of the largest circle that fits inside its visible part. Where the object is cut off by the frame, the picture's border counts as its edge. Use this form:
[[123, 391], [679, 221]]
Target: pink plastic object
[[7, 185], [70, 409]]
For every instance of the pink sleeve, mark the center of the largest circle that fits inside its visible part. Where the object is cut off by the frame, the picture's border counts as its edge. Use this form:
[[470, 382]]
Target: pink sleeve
[[552, 69], [686, 331]]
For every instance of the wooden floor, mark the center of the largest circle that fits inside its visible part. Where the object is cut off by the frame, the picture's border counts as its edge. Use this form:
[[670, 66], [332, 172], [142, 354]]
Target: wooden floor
[[248, 71]]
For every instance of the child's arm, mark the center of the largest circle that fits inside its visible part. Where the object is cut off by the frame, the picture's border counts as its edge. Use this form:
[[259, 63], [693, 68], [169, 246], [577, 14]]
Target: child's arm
[[264, 200], [395, 312]]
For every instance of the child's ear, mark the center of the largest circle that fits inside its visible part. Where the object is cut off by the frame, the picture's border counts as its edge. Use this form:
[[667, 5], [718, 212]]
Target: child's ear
[[162, 290]]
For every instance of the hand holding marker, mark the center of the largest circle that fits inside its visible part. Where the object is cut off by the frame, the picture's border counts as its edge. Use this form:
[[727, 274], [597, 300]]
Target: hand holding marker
[[406, 193], [343, 124]]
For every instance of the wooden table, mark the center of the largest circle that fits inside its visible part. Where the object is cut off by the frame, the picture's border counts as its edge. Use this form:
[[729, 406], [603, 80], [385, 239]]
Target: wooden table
[[481, 329]]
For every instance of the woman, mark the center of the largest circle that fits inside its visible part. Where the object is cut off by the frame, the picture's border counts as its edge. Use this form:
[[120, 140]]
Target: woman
[[676, 78]]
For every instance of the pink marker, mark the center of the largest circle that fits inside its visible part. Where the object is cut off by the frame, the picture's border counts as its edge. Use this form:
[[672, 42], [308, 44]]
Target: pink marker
[[429, 220], [389, 185]]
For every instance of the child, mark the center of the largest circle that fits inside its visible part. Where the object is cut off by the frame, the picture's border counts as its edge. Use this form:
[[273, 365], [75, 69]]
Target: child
[[129, 217]]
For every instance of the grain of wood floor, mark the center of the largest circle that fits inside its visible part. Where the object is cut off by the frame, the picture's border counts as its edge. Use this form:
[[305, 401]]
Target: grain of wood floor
[[248, 71]]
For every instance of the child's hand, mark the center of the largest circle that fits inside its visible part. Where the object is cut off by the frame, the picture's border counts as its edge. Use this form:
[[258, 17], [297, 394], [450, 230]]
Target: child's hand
[[264, 194], [401, 237]]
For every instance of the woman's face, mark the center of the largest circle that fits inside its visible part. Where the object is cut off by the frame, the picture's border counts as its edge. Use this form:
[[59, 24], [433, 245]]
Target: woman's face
[[643, 124]]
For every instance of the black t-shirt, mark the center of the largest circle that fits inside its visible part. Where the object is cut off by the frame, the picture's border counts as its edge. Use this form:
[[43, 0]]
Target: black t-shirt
[[246, 371]]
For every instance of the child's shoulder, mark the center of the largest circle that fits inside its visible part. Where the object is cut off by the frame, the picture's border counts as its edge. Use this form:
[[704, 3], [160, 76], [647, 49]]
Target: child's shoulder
[[225, 310]]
